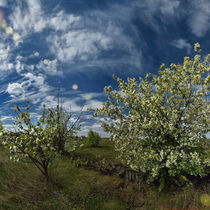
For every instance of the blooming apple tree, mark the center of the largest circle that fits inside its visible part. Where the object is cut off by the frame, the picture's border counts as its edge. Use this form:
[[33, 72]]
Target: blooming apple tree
[[66, 128], [160, 124], [34, 142]]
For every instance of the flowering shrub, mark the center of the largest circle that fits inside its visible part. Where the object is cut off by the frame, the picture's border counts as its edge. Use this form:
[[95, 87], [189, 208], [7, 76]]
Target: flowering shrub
[[164, 120]]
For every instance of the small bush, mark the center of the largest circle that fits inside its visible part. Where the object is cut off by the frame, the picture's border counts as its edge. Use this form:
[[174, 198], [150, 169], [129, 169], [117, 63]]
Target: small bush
[[93, 139]]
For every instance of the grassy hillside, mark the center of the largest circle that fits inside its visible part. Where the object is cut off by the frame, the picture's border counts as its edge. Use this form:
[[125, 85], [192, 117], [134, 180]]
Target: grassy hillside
[[23, 187]]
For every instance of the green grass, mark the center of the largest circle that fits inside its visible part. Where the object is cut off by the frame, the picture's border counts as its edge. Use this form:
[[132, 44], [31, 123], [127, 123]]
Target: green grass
[[104, 150], [23, 187]]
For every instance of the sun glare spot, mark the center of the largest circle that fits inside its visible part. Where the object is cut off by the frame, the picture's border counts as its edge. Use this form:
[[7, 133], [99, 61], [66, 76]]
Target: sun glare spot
[[74, 86], [9, 30], [36, 53], [46, 61], [16, 36]]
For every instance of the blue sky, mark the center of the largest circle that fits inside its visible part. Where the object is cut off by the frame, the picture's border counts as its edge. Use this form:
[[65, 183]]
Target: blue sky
[[81, 43]]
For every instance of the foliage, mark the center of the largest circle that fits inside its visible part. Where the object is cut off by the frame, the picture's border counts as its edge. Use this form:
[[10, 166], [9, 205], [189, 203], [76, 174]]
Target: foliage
[[1, 131], [34, 142], [66, 129], [1, 126], [160, 125], [93, 139]]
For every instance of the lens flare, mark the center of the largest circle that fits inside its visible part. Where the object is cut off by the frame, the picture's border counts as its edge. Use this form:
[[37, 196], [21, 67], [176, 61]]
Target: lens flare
[[9, 30], [46, 61], [16, 36], [36, 53], [74, 86]]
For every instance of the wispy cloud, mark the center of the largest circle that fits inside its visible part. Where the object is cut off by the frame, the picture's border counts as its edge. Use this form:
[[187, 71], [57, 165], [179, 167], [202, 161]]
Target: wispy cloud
[[165, 7], [10, 127], [196, 13], [78, 45], [49, 66], [31, 86], [5, 53], [75, 104], [62, 21], [199, 19], [182, 44], [149, 10], [6, 118], [82, 38], [28, 20]]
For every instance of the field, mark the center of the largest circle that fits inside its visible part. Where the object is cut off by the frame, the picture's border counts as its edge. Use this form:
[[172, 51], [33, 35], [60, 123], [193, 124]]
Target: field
[[23, 187]]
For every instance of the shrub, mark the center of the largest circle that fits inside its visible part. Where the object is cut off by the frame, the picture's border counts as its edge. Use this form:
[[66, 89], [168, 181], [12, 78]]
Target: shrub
[[164, 120], [93, 139]]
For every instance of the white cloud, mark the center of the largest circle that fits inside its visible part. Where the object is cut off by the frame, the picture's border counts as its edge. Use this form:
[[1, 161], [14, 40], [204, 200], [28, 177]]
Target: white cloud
[[36, 80], [32, 87], [62, 21], [5, 54], [19, 66], [5, 118], [182, 44], [83, 44], [10, 127], [72, 104], [68, 104], [78, 38], [199, 20], [28, 20], [94, 104], [78, 44], [15, 89], [49, 66], [88, 96], [33, 19]]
